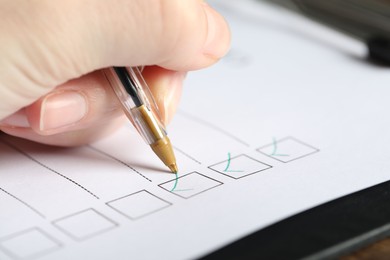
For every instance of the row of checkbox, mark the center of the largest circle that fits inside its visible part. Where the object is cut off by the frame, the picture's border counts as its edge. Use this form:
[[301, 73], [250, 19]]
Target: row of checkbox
[[88, 223]]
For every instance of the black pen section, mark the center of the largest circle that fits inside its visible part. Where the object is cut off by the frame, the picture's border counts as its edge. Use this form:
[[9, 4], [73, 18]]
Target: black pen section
[[128, 84]]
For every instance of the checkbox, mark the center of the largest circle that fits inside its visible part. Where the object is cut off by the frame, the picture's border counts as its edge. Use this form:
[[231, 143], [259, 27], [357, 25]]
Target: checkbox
[[28, 244], [190, 185], [138, 205], [84, 224], [287, 149], [239, 166]]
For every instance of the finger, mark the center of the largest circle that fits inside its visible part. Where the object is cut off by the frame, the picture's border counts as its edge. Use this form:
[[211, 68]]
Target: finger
[[81, 106], [174, 34], [67, 139], [51, 42], [166, 87], [78, 104]]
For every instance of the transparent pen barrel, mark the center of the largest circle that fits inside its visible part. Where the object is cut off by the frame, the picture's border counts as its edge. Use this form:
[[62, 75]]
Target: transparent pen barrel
[[147, 124], [138, 105]]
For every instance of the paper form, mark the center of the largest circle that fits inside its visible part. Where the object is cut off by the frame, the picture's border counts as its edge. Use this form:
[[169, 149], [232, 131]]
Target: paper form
[[291, 118]]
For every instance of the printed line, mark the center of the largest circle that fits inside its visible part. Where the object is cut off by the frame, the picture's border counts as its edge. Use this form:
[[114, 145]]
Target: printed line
[[119, 161], [46, 167], [24, 203], [205, 123], [187, 155]]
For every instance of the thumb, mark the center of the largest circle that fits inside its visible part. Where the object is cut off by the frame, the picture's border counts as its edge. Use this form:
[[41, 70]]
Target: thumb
[[46, 43]]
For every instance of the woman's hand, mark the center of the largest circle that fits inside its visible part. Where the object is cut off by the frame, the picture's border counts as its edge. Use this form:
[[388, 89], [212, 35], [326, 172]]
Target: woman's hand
[[51, 88]]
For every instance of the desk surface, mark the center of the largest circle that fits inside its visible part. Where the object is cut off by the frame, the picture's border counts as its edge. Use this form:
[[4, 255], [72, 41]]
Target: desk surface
[[378, 250]]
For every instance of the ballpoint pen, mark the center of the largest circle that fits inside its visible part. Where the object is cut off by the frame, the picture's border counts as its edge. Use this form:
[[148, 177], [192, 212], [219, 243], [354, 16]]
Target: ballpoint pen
[[139, 106], [366, 20]]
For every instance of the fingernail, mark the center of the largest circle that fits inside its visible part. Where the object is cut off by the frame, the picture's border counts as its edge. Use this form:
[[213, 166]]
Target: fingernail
[[62, 109], [218, 35], [172, 96], [18, 119]]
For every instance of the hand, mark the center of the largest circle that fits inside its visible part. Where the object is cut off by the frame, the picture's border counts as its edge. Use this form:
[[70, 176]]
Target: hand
[[51, 88]]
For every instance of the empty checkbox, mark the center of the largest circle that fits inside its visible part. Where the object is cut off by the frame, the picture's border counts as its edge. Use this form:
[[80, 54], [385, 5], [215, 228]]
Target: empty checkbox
[[84, 224], [27, 244], [138, 205]]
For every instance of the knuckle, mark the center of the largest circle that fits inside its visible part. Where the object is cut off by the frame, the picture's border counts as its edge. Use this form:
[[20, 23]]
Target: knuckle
[[182, 28]]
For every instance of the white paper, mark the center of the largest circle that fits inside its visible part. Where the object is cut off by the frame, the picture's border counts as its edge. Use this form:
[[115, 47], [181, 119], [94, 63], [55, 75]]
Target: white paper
[[293, 117]]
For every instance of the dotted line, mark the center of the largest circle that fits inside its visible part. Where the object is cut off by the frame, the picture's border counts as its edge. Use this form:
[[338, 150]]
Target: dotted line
[[47, 167], [21, 201], [120, 161], [204, 122], [187, 155]]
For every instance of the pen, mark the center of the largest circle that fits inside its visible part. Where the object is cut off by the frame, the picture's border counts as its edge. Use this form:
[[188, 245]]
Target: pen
[[366, 20], [139, 106]]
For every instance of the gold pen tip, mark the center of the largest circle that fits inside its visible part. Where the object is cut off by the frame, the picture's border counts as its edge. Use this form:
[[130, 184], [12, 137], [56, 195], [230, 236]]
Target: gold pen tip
[[173, 168]]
